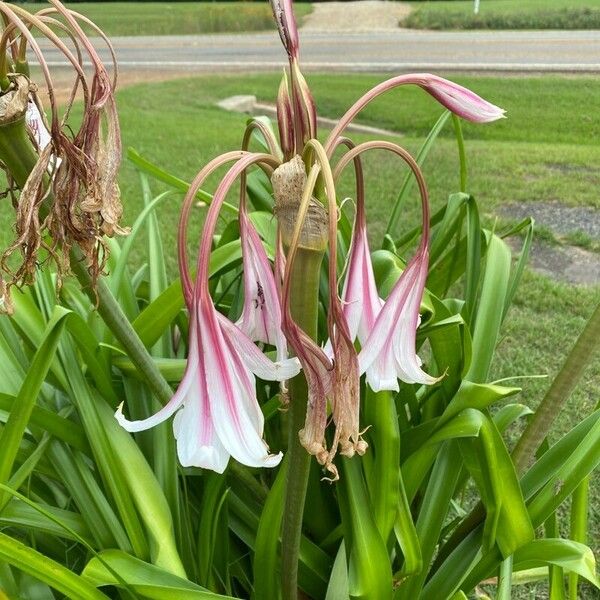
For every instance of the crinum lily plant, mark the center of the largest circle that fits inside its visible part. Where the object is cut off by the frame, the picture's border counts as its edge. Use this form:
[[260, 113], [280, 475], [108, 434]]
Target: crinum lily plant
[[289, 345], [217, 414]]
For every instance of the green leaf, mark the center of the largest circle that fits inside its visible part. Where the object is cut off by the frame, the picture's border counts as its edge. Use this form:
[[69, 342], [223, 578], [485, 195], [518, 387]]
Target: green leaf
[[143, 491], [145, 579], [509, 414], [546, 467], [436, 502], [519, 268], [260, 192], [579, 526], [116, 276], [473, 266], [267, 563], [566, 554], [171, 369], [487, 459], [338, 583], [64, 429], [369, 570], [11, 435], [45, 569], [19, 514], [213, 500], [153, 170], [491, 306], [573, 469], [448, 226]]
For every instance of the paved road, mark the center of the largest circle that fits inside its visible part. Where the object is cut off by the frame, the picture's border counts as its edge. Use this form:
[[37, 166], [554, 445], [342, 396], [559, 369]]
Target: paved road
[[562, 51]]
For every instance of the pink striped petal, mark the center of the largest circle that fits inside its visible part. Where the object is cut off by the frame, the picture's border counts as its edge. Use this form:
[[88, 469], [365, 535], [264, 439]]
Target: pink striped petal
[[197, 442], [362, 303], [261, 315], [461, 101], [389, 353], [254, 359], [237, 418]]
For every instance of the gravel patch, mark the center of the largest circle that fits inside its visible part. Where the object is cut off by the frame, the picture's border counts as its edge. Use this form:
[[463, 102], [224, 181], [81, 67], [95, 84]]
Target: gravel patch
[[564, 263], [363, 15], [556, 216]]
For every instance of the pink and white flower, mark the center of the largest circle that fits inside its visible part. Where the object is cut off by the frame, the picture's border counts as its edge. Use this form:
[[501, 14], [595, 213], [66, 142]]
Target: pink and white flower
[[219, 415]]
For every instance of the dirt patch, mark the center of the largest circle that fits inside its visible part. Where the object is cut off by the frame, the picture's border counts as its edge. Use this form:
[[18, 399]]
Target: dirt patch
[[364, 15], [562, 262], [571, 168]]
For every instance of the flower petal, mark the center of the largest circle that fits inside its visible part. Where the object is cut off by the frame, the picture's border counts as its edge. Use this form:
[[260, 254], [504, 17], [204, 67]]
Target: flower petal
[[461, 101], [389, 353], [190, 388], [362, 303], [261, 315], [232, 396], [254, 359], [197, 441]]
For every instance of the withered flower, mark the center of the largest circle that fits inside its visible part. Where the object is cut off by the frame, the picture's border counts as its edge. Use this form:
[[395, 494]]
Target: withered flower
[[66, 172]]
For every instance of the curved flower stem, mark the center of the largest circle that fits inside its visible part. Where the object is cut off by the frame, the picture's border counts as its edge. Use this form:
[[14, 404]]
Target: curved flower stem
[[112, 314], [304, 302]]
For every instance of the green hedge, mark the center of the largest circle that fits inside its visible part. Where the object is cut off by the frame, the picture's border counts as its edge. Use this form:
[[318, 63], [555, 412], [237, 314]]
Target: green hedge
[[544, 18]]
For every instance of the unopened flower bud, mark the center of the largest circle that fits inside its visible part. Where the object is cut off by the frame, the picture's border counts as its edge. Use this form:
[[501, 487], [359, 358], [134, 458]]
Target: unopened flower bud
[[285, 119]]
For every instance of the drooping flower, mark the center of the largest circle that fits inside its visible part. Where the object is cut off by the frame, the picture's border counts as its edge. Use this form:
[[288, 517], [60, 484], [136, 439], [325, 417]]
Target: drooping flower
[[66, 172], [386, 330], [219, 415]]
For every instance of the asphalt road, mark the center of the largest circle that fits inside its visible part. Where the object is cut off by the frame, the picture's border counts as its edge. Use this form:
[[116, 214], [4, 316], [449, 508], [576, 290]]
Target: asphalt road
[[544, 51]]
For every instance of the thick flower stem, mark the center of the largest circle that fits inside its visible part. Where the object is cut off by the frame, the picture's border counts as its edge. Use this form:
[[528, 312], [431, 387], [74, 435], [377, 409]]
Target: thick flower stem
[[16, 151], [304, 301], [114, 317]]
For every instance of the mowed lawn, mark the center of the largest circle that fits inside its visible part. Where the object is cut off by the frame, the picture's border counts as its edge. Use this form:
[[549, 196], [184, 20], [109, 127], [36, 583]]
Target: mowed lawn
[[177, 18], [505, 14]]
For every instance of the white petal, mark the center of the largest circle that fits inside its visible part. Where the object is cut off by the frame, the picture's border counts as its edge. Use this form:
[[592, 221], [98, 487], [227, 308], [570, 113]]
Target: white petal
[[362, 304], [254, 359], [197, 442], [232, 398], [188, 384]]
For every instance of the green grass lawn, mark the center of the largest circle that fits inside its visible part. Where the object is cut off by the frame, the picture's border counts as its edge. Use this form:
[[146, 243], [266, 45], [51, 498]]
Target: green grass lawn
[[174, 18], [506, 14]]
